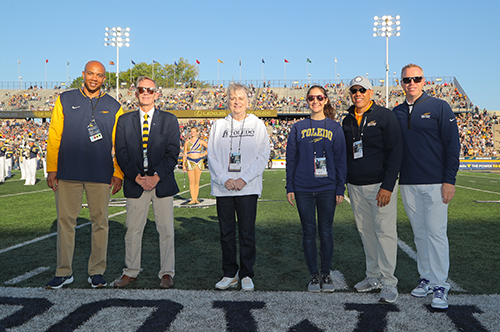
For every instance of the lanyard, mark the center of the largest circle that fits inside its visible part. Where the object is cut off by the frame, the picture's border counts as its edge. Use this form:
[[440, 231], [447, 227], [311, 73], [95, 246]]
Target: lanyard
[[91, 104], [360, 131], [231, 135], [314, 144]]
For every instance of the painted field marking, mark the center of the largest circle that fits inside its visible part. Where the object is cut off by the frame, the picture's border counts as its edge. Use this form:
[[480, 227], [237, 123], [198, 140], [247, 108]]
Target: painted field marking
[[27, 275], [482, 190], [25, 193]]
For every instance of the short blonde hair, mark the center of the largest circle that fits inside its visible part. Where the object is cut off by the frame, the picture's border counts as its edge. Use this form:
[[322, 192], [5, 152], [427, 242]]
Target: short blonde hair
[[411, 65]]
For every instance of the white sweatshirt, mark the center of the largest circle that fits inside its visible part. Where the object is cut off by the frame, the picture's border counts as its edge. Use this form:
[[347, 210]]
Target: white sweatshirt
[[254, 151]]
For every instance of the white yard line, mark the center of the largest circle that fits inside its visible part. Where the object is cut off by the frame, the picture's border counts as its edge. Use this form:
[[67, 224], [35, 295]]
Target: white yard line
[[27, 275], [482, 190], [25, 193], [20, 245]]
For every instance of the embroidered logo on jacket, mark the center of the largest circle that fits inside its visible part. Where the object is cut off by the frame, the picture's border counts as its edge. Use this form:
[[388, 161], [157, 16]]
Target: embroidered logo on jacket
[[75, 107], [426, 115], [316, 132], [371, 123]]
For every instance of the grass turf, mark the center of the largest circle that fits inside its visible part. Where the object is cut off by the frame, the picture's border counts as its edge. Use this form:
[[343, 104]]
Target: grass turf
[[28, 212]]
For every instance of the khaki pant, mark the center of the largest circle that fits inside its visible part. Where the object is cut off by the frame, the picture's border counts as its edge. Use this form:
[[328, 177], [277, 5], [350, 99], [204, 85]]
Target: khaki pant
[[137, 215], [69, 195], [377, 228]]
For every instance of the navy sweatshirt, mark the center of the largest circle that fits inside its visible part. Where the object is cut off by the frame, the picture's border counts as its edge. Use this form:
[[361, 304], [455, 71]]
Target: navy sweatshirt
[[307, 136]]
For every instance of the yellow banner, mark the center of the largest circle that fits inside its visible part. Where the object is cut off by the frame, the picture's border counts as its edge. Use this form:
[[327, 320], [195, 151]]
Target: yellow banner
[[220, 113]]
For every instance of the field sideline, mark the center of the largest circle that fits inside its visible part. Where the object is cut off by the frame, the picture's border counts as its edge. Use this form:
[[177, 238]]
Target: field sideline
[[28, 213]]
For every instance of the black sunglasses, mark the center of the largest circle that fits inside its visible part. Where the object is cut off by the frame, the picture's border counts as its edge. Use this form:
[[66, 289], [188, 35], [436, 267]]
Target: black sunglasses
[[319, 97], [144, 89], [353, 90], [416, 79]]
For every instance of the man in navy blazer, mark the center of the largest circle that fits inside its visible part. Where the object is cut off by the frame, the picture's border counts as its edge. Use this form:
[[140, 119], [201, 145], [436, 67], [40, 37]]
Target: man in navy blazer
[[147, 146]]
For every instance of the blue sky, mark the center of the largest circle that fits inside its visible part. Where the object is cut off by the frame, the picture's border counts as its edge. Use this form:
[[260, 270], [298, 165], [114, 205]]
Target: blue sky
[[447, 38]]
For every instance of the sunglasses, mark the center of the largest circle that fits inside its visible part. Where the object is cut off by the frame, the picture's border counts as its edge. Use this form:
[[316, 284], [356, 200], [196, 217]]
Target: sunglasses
[[148, 90], [319, 97], [361, 90], [416, 79]]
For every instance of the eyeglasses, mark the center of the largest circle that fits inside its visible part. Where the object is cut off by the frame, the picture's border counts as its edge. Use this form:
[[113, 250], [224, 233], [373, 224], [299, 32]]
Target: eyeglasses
[[319, 97], [145, 89], [361, 90], [416, 79]]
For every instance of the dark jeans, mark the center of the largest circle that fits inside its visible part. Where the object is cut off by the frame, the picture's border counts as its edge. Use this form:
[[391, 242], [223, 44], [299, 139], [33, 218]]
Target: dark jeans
[[322, 202], [245, 208]]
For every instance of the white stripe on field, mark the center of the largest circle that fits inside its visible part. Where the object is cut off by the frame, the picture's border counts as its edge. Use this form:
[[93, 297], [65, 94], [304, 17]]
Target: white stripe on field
[[19, 245], [25, 193], [413, 255], [27, 275], [484, 191]]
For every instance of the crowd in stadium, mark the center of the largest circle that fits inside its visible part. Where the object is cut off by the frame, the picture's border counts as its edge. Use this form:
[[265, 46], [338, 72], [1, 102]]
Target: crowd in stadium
[[475, 127]]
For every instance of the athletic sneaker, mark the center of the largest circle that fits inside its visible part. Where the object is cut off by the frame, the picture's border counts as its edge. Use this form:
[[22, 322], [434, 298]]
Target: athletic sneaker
[[227, 282], [247, 284], [440, 300], [314, 284], [422, 290], [326, 284], [97, 281], [58, 282], [388, 294], [368, 284]]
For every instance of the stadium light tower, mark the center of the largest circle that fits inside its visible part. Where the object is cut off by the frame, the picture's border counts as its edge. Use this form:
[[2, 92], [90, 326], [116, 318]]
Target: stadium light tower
[[386, 26], [117, 37]]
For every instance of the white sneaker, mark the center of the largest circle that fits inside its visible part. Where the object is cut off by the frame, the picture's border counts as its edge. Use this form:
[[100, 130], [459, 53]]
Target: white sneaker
[[247, 284], [368, 284], [422, 290], [440, 300], [388, 294], [227, 282]]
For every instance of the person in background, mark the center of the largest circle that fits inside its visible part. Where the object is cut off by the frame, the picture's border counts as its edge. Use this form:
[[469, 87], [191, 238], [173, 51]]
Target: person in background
[[315, 180], [193, 162]]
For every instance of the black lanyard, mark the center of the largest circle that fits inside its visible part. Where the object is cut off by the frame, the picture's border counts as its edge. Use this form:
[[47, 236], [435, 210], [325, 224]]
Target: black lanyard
[[360, 131], [314, 145], [231, 135], [91, 104]]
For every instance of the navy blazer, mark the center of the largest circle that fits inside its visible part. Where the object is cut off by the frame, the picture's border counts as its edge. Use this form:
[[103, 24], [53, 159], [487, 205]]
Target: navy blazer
[[163, 151]]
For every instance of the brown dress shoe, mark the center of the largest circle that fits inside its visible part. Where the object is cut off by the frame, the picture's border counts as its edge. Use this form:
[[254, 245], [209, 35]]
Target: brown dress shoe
[[124, 280], [166, 281]]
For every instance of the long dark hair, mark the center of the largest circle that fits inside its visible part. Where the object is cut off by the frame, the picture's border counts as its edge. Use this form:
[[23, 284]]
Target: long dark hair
[[328, 110]]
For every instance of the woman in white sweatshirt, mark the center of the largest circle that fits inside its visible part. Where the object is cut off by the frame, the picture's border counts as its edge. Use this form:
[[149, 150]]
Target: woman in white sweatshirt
[[238, 151]]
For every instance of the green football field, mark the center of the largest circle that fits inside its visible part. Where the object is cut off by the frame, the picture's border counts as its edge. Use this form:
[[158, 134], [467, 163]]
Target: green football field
[[28, 242]]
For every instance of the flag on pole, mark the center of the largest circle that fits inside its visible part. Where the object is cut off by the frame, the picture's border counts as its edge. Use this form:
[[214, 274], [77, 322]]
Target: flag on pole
[[68, 63], [219, 61], [19, 61], [286, 61], [175, 63], [240, 62], [111, 63], [335, 59], [263, 60], [46, 61], [155, 61], [132, 62], [309, 60], [198, 62]]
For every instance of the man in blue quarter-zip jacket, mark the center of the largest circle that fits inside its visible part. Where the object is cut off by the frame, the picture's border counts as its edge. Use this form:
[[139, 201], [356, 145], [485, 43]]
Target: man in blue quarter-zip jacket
[[430, 163], [79, 158]]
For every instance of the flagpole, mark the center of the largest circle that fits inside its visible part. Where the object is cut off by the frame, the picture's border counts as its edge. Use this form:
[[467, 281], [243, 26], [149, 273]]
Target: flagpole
[[336, 71], [131, 68], [262, 65], [218, 73], [67, 74], [285, 72], [240, 70], [46, 74], [19, 73]]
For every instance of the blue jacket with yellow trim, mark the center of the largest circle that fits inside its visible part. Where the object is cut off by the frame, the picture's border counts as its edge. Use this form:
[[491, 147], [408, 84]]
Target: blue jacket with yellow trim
[[431, 145], [70, 152]]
